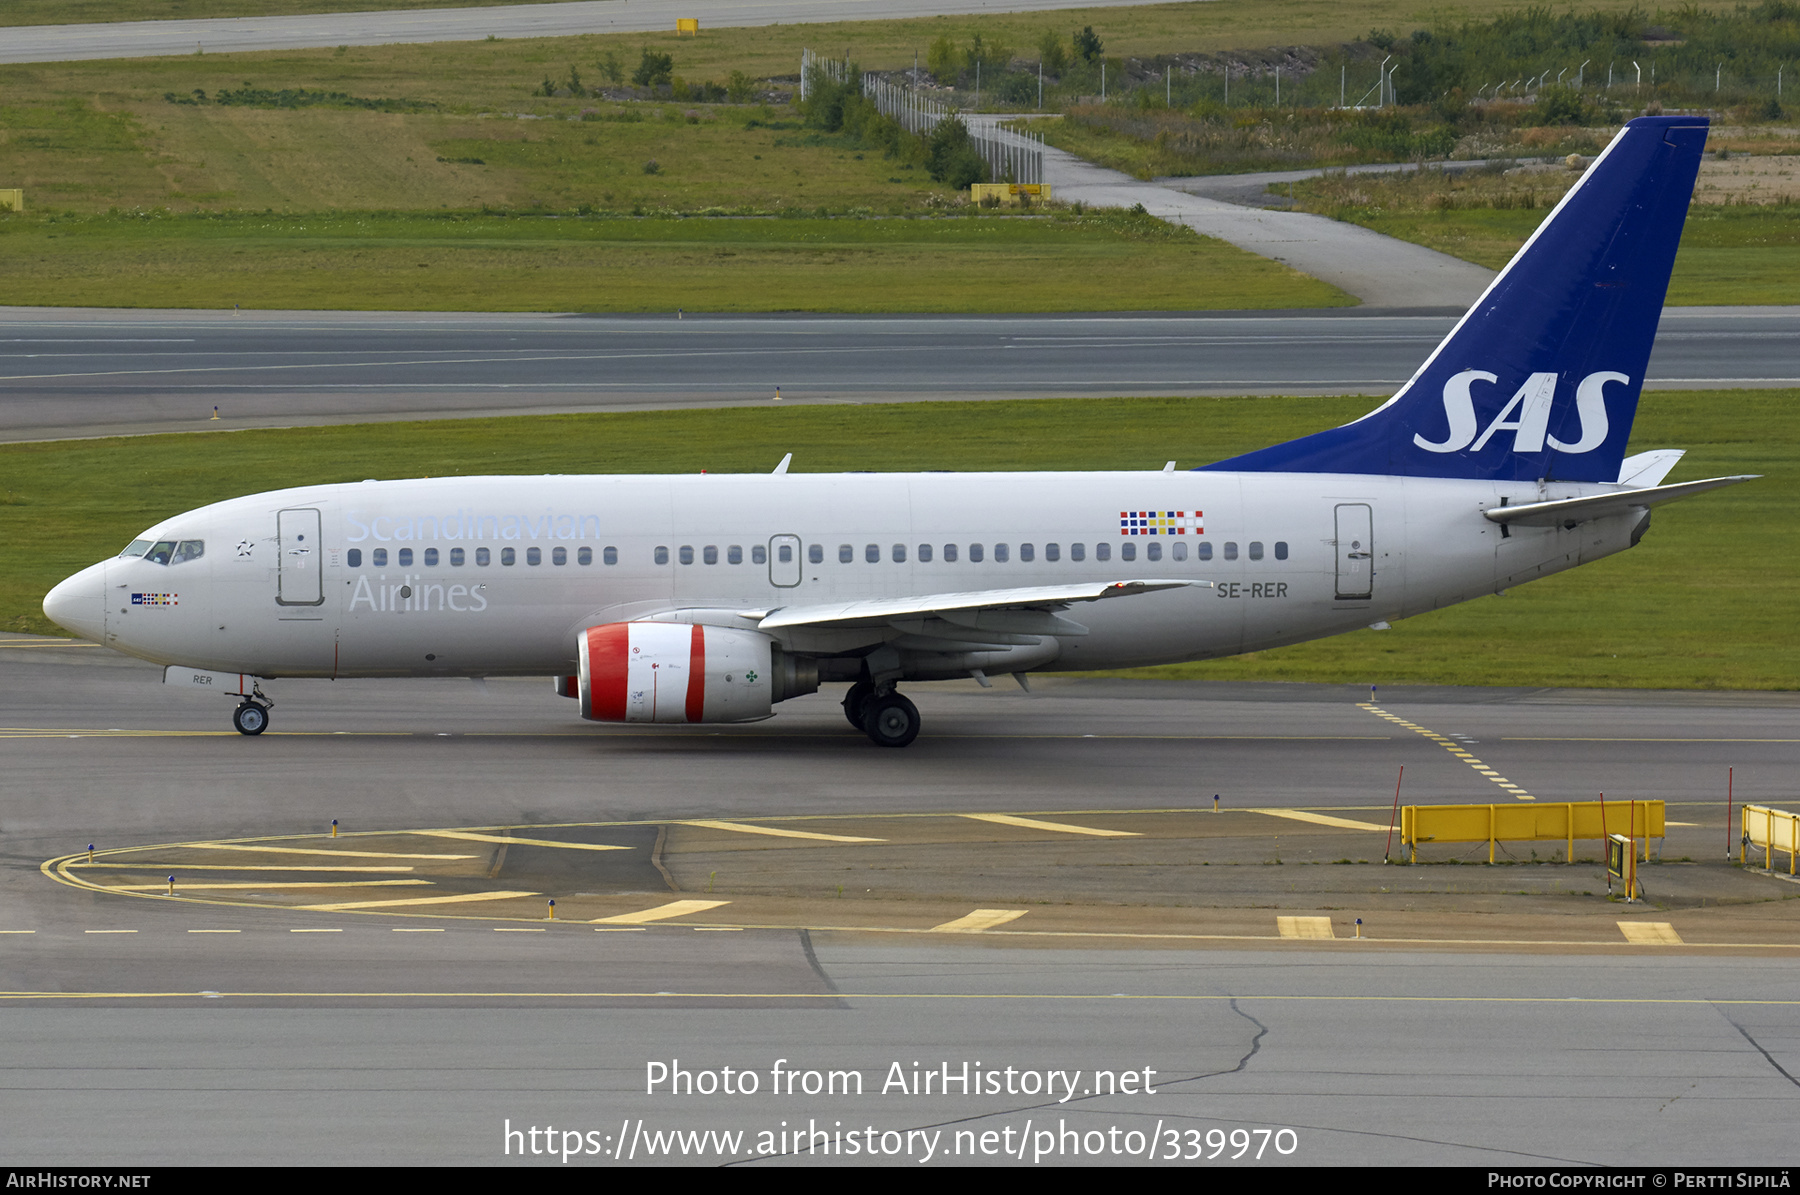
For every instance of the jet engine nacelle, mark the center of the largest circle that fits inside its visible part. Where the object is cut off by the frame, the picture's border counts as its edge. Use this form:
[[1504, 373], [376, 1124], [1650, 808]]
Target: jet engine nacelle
[[677, 672]]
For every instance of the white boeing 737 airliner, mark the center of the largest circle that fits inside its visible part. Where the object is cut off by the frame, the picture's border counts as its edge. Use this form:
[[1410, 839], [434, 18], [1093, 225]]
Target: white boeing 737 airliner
[[710, 598]]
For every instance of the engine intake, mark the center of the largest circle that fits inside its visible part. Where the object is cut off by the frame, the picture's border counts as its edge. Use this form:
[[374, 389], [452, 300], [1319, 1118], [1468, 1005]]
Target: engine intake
[[682, 672]]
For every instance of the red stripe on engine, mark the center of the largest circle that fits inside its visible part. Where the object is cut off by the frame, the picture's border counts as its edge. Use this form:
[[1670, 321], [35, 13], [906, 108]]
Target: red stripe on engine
[[609, 651], [696, 694]]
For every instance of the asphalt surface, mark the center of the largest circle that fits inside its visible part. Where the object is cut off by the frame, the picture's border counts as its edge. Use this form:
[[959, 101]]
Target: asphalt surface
[[143, 39], [211, 1028], [81, 372]]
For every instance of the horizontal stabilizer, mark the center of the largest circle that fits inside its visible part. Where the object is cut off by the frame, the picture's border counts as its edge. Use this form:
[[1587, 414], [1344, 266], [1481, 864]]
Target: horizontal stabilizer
[[877, 611], [1567, 512]]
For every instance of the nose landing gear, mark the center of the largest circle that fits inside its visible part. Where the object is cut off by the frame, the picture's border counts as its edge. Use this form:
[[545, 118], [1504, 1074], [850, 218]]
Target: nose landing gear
[[252, 717]]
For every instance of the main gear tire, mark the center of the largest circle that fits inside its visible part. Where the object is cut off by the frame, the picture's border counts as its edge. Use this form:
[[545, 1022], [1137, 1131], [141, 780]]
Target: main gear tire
[[891, 721]]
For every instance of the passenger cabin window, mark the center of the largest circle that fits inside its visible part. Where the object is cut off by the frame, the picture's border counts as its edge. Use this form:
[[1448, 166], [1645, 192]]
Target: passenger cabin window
[[481, 557], [1231, 549], [710, 553], [354, 557], [899, 553], [378, 558], [1281, 549], [734, 554], [1256, 551], [1127, 551], [1053, 552], [1002, 554], [557, 556], [760, 554], [456, 557], [1203, 550], [1178, 550], [431, 557], [949, 553], [1077, 552], [846, 553], [816, 553], [662, 555], [611, 556], [872, 553], [1102, 551], [534, 556], [1153, 551], [508, 557], [584, 556], [686, 554], [924, 553], [975, 553], [405, 555]]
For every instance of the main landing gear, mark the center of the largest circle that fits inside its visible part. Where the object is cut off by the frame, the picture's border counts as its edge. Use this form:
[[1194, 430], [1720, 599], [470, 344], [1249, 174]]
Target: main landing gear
[[888, 718], [252, 717]]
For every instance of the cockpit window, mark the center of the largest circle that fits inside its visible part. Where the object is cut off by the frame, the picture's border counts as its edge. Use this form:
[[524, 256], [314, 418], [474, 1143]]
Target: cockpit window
[[188, 549], [161, 552], [136, 547]]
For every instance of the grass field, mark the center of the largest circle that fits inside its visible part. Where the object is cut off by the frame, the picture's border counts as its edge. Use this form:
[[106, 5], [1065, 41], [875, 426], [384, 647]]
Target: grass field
[[1093, 262], [1731, 254], [1704, 602]]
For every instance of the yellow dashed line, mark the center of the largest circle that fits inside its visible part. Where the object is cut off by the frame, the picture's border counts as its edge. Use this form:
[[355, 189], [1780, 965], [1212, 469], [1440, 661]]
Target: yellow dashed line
[[1454, 749], [677, 908], [1006, 819], [979, 920], [772, 831]]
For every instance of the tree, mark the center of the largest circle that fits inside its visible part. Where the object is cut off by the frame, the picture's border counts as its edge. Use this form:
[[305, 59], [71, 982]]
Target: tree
[[1087, 45], [1051, 53], [950, 155], [655, 69], [942, 60]]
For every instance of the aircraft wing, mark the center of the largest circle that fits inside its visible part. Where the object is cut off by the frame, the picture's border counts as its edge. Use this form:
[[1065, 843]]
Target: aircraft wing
[[1567, 512], [1028, 610]]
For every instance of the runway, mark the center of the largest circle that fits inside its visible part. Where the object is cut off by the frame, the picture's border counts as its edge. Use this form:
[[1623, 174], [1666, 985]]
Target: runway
[[226, 1026], [74, 372]]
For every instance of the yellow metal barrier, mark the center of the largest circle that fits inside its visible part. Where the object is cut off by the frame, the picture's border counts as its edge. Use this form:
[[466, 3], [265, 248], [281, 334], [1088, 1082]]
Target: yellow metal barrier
[[689, 25], [1530, 823], [1011, 194], [12, 199], [1772, 830]]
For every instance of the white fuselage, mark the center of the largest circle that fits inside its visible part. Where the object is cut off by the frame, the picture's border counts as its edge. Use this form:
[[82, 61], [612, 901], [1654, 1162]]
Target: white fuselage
[[487, 576]]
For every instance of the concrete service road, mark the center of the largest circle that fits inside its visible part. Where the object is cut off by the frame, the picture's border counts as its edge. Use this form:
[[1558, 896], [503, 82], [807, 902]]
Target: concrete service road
[[269, 1013], [76, 372]]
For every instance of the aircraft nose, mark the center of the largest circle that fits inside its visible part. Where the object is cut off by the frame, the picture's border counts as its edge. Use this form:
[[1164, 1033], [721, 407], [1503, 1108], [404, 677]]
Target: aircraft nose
[[79, 603]]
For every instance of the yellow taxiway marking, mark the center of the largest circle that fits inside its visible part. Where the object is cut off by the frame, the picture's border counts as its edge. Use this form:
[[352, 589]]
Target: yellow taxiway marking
[[1007, 819], [772, 831], [1452, 746], [1650, 933], [298, 850], [179, 867], [979, 920], [1321, 819], [417, 900], [677, 908], [240, 885], [470, 836], [1304, 927]]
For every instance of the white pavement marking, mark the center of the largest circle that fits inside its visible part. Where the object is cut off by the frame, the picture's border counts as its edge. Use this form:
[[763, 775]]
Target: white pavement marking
[[1322, 819], [772, 831], [1312, 928], [678, 908], [1006, 819], [140, 39], [1650, 933], [470, 836], [979, 920]]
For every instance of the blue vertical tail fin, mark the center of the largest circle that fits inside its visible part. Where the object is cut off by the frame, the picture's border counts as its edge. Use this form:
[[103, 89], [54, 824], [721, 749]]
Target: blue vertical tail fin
[[1540, 379]]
